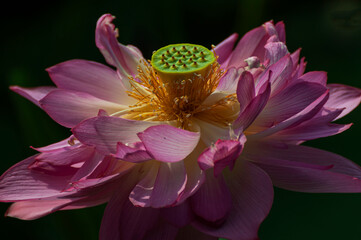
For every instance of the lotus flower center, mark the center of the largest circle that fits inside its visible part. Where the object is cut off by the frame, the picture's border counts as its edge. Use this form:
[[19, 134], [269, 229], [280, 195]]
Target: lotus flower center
[[174, 85]]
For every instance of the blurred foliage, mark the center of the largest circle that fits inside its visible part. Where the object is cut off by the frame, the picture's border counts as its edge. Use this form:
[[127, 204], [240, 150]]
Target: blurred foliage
[[38, 35]]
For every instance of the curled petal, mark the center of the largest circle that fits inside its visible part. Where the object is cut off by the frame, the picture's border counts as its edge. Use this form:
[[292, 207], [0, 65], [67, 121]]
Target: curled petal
[[222, 154], [123, 58]]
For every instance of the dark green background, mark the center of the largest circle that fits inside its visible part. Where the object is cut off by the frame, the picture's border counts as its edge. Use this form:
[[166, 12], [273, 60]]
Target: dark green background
[[36, 36]]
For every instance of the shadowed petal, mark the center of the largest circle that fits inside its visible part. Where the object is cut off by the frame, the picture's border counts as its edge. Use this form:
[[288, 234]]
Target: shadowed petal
[[342, 96], [122, 220], [212, 201], [252, 197]]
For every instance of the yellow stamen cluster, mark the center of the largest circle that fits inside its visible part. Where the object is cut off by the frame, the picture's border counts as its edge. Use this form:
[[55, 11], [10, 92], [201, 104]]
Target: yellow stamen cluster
[[179, 99]]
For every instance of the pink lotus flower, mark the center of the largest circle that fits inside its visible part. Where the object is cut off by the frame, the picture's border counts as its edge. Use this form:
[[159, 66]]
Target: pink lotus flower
[[178, 152]]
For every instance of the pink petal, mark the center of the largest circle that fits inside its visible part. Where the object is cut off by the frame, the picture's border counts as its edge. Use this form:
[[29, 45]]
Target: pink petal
[[342, 96], [212, 201], [105, 132], [289, 102], [161, 187], [20, 183], [224, 48], [69, 108], [295, 172], [252, 196], [222, 154], [33, 94], [247, 46], [280, 27], [245, 89], [116, 54], [90, 77], [316, 77], [169, 144], [254, 108]]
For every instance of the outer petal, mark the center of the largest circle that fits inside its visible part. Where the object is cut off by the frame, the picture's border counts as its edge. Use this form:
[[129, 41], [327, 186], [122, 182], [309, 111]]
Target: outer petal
[[69, 108], [295, 120], [163, 231], [105, 132], [224, 49], [169, 144], [179, 216], [314, 128], [90, 77], [342, 96], [121, 219], [116, 54], [20, 183], [33, 94], [189, 232], [316, 77], [252, 196], [293, 167], [289, 102]]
